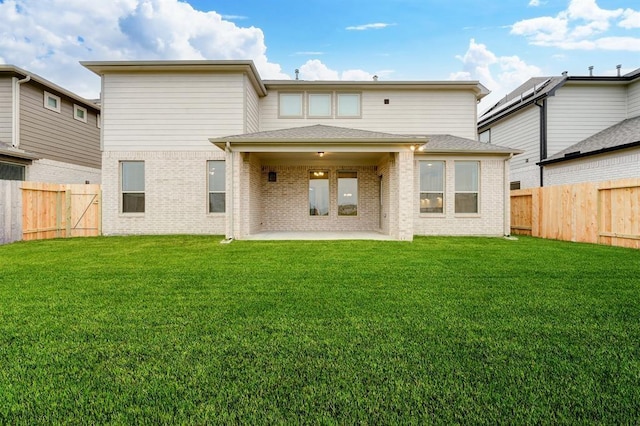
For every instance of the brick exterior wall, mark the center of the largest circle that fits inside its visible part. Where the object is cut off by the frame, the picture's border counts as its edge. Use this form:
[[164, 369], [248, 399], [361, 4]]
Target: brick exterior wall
[[284, 204], [51, 171], [615, 165], [489, 221], [176, 197]]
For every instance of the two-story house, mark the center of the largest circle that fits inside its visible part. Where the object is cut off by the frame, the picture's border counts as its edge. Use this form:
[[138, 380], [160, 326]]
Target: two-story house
[[208, 147], [571, 129], [47, 133]]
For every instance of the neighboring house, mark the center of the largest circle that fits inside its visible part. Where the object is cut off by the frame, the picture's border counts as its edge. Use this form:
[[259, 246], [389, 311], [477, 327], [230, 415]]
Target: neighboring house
[[571, 129], [208, 147], [47, 133]]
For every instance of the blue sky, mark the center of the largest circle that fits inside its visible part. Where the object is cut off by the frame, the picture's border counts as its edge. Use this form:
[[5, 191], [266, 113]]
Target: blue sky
[[500, 43]]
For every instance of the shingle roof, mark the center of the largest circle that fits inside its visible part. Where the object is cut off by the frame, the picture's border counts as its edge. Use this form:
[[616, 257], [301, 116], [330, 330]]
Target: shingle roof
[[622, 135], [449, 143], [322, 134], [318, 132]]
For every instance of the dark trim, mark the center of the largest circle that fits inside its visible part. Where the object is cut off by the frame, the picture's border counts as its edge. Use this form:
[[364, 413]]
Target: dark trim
[[573, 156], [15, 160], [543, 137], [509, 111]]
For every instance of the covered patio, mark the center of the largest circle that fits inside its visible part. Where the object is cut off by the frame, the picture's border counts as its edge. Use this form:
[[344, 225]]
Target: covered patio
[[319, 182]]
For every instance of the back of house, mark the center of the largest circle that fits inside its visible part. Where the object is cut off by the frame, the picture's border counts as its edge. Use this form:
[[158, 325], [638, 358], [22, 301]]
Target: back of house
[[208, 147]]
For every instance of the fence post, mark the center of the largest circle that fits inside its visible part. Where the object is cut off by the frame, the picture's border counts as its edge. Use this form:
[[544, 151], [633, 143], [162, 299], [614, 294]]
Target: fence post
[[67, 197]]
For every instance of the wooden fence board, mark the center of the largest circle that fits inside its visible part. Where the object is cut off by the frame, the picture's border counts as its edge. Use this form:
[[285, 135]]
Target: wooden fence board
[[60, 211], [605, 212]]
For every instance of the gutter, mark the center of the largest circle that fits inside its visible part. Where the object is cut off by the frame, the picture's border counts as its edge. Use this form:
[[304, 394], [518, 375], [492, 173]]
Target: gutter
[[543, 137], [575, 155], [15, 123]]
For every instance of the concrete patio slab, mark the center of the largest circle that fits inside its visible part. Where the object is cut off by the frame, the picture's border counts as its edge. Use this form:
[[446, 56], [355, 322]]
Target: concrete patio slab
[[319, 235]]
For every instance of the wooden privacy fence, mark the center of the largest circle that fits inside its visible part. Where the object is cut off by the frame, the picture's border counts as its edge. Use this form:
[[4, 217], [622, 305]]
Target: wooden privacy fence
[[604, 212], [60, 211]]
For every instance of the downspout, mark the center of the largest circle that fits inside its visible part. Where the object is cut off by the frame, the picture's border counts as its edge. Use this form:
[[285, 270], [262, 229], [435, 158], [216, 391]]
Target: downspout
[[15, 124], [230, 186], [507, 197], [543, 136]]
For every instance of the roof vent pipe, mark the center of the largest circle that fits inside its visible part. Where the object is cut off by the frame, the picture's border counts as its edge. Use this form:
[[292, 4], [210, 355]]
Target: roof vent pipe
[[591, 71], [618, 67], [297, 71], [565, 73], [375, 78]]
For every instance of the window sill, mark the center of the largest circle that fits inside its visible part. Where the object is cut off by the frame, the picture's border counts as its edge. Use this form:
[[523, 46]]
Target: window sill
[[467, 215], [433, 215], [131, 214]]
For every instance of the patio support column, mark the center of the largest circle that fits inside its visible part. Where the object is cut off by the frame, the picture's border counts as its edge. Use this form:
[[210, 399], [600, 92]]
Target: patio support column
[[405, 195], [229, 186]]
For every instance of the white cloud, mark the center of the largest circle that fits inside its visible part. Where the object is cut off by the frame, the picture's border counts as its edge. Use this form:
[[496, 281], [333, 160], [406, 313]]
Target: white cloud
[[49, 37], [579, 26], [534, 3], [500, 74], [375, 26], [631, 19], [314, 69]]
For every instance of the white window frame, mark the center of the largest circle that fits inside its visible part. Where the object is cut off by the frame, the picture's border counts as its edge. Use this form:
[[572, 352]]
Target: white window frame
[[48, 96], [340, 188], [310, 96], [78, 108], [339, 96], [476, 191], [124, 191], [299, 95], [441, 191], [211, 191]]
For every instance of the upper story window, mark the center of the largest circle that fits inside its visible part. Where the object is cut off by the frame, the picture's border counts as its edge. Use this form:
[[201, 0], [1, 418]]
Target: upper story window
[[79, 113], [348, 105], [485, 136], [51, 101], [291, 105], [320, 105]]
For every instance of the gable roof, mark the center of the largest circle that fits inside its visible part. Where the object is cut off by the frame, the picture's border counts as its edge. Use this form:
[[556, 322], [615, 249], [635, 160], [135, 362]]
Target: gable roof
[[625, 134], [322, 134]]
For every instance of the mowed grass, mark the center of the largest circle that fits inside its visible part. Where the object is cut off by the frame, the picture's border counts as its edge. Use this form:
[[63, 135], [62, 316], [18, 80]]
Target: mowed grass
[[182, 329]]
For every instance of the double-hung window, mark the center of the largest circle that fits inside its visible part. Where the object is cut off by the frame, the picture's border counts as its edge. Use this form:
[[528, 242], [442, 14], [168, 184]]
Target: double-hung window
[[348, 105], [319, 105], [432, 186], [217, 191], [12, 171], [467, 186], [132, 186]]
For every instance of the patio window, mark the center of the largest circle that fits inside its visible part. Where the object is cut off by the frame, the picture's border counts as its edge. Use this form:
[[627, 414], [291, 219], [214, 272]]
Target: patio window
[[431, 186], [291, 105], [132, 186], [347, 193], [319, 193], [217, 191], [467, 184]]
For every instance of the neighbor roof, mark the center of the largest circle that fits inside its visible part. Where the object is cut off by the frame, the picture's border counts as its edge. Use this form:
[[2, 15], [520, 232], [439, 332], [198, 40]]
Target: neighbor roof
[[625, 134], [21, 73]]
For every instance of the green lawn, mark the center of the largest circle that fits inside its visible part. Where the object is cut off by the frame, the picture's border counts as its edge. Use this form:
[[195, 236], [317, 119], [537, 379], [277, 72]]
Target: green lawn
[[182, 329]]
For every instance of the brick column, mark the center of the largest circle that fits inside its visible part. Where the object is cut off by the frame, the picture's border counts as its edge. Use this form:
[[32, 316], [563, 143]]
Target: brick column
[[405, 195]]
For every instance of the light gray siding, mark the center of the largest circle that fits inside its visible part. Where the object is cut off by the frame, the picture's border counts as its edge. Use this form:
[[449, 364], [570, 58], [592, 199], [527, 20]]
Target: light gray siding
[[252, 107], [6, 110], [579, 111], [633, 103], [57, 136], [408, 112], [171, 112]]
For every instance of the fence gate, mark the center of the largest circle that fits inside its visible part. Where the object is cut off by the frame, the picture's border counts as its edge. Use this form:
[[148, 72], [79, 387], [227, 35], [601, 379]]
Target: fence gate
[[60, 211]]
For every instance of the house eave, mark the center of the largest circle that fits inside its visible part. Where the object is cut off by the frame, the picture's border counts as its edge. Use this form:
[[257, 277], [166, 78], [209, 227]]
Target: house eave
[[319, 144], [244, 66]]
